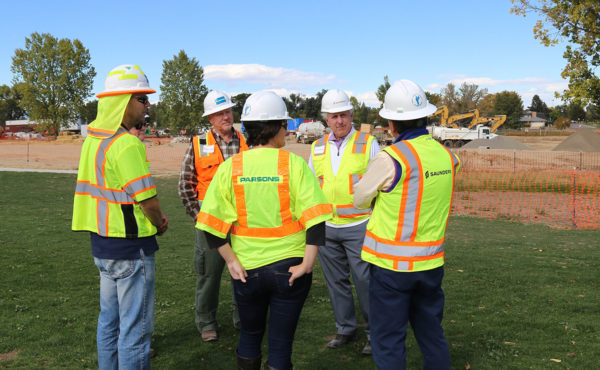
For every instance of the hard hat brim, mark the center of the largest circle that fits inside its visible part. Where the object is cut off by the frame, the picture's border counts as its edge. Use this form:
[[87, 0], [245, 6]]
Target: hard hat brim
[[124, 92], [221, 108], [338, 109], [406, 116]]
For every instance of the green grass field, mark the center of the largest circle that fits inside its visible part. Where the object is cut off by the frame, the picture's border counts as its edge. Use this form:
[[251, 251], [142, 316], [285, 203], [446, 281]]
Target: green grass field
[[517, 296]]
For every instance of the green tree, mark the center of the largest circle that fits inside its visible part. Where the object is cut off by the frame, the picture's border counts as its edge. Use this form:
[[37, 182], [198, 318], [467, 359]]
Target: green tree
[[239, 101], [295, 104], [89, 111], [10, 98], [509, 103], [486, 105], [538, 105], [592, 113], [578, 23], [575, 112], [182, 94], [434, 98], [382, 89], [469, 97], [450, 98], [56, 77]]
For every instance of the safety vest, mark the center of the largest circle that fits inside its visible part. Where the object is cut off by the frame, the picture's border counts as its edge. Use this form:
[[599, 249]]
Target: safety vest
[[113, 178], [407, 227], [267, 197], [339, 189], [207, 159]]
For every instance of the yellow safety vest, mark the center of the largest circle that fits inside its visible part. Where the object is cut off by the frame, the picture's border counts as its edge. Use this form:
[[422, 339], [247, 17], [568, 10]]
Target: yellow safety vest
[[267, 197], [407, 227], [339, 189], [113, 178]]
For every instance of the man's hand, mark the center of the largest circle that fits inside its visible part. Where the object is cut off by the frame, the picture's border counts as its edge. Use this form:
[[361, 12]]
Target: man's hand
[[165, 225]]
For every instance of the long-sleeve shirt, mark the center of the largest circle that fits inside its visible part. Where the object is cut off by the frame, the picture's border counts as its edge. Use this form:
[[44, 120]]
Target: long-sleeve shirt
[[188, 178], [383, 173]]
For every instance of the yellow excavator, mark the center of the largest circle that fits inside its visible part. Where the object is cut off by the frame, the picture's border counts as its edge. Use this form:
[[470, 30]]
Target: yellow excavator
[[443, 113], [495, 121], [457, 117]]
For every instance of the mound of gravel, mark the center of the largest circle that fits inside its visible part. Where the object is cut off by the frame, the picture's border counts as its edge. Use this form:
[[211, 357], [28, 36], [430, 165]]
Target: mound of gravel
[[580, 141], [499, 142]]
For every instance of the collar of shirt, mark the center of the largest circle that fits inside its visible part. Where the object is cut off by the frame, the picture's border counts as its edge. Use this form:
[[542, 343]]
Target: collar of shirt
[[411, 134], [338, 142]]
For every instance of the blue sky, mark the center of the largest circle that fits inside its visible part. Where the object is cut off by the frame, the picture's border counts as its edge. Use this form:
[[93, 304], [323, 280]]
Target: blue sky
[[303, 46]]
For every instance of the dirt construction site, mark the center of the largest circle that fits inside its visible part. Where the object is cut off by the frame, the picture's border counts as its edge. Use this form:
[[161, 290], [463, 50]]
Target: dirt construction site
[[544, 179]]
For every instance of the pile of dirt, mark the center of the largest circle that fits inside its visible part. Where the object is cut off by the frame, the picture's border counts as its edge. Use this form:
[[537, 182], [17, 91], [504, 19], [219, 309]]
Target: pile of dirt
[[499, 142], [580, 141]]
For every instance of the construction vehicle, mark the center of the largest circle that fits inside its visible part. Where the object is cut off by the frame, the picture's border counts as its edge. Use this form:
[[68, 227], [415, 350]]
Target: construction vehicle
[[309, 131], [496, 121], [453, 137], [458, 117], [443, 113]]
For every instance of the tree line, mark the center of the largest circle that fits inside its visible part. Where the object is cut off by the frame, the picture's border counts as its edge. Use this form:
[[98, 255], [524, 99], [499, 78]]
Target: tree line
[[53, 81]]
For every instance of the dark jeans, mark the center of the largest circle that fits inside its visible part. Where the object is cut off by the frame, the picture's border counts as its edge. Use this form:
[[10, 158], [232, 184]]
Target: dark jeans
[[397, 298], [267, 288]]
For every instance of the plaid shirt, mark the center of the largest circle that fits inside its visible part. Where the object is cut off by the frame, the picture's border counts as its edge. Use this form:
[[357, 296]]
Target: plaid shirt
[[188, 179]]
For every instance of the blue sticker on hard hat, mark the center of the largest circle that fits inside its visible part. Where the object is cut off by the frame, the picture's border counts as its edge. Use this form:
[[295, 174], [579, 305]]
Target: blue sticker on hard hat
[[417, 100], [220, 100], [247, 110]]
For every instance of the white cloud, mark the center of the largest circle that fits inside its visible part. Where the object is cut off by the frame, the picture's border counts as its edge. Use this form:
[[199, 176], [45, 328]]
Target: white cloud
[[369, 98], [272, 77]]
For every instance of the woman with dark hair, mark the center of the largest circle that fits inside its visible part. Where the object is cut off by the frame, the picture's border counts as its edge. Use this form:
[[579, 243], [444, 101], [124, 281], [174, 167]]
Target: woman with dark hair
[[274, 208]]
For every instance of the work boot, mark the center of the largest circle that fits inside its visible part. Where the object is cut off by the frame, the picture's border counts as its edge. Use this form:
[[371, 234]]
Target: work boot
[[340, 340], [248, 363], [367, 348]]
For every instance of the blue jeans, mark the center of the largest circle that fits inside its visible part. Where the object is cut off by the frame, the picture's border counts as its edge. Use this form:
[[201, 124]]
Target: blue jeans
[[402, 297], [126, 319], [267, 288]]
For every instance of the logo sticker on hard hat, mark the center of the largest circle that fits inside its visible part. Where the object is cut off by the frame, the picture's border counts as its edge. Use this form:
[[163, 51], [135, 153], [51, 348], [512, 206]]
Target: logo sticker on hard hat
[[417, 100], [220, 100], [247, 110]]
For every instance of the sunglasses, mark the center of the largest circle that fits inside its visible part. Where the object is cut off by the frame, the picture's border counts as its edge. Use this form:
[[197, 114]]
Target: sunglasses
[[142, 99]]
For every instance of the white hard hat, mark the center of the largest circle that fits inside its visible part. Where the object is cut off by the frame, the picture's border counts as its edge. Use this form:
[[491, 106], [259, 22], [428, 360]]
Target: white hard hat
[[335, 101], [216, 101], [405, 100], [126, 79], [264, 106]]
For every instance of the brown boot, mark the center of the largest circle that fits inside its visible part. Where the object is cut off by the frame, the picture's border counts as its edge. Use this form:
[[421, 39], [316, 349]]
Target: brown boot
[[248, 363]]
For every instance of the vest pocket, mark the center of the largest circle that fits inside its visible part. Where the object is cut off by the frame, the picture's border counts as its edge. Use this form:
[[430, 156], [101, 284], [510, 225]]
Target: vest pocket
[[209, 161]]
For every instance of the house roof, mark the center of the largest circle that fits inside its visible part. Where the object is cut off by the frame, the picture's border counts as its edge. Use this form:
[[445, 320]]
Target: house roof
[[532, 119]]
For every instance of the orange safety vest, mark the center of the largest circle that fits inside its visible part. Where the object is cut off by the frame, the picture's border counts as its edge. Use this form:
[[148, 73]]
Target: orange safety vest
[[207, 159]]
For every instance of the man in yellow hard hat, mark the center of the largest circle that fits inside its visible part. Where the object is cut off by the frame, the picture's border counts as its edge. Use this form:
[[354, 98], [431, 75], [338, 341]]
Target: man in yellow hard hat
[[116, 202], [411, 184], [199, 166]]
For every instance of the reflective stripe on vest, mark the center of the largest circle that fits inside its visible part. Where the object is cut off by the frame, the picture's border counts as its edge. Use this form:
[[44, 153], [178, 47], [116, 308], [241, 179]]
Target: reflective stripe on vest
[[100, 133], [406, 249], [205, 174], [358, 145], [288, 226], [104, 195]]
